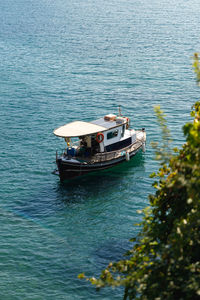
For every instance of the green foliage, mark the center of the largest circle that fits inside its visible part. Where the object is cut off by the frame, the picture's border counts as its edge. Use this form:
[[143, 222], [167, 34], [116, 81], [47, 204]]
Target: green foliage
[[196, 66], [164, 262], [163, 152]]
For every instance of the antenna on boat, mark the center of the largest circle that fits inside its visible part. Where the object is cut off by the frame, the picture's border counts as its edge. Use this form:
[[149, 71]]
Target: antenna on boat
[[120, 113]]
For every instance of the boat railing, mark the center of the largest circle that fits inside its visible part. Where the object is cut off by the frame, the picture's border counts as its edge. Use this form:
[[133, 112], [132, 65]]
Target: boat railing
[[106, 156], [64, 151], [61, 152]]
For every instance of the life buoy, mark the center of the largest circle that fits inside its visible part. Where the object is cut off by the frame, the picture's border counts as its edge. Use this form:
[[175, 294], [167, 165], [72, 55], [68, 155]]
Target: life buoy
[[99, 137], [127, 123]]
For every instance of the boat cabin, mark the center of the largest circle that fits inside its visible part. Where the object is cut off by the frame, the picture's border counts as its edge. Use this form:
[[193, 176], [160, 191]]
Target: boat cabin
[[106, 134]]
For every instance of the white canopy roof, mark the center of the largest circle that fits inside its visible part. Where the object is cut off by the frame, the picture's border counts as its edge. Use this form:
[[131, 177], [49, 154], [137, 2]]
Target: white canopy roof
[[78, 128]]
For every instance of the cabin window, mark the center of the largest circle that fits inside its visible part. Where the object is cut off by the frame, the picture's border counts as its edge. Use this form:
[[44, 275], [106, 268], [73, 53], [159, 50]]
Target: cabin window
[[112, 134]]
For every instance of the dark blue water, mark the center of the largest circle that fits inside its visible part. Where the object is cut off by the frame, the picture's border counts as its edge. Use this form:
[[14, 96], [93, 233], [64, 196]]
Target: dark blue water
[[69, 60]]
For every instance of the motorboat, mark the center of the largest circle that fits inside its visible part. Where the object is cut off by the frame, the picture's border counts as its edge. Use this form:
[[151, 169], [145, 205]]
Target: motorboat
[[97, 145]]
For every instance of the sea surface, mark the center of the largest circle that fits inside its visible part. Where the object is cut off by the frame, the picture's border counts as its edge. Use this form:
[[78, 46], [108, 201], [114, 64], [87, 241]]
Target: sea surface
[[67, 60]]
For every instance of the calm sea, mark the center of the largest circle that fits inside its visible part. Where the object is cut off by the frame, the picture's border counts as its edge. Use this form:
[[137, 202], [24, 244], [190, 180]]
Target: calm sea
[[68, 60]]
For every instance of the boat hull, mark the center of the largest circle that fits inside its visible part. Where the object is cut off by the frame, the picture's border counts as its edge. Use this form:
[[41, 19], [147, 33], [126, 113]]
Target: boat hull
[[69, 169]]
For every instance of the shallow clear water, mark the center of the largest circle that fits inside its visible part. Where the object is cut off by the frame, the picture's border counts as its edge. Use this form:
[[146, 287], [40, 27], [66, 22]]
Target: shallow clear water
[[69, 60]]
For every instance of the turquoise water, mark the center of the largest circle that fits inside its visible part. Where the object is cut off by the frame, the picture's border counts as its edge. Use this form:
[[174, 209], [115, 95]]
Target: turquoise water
[[68, 60]]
